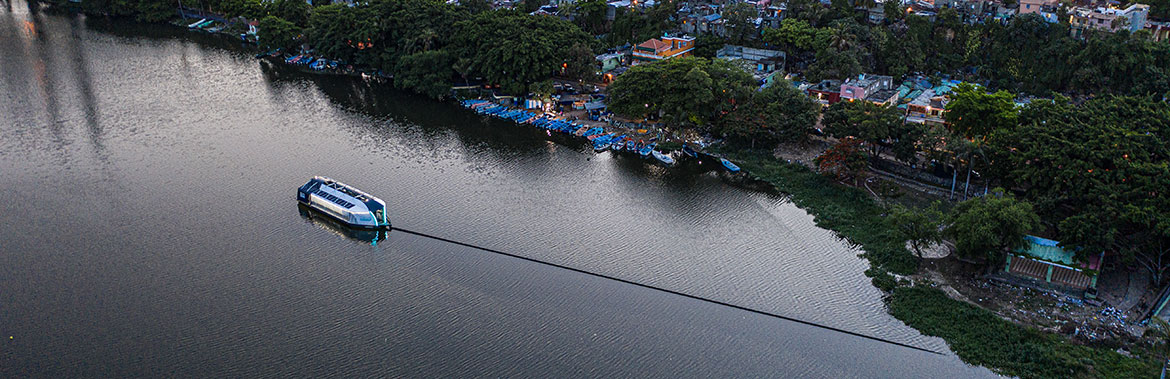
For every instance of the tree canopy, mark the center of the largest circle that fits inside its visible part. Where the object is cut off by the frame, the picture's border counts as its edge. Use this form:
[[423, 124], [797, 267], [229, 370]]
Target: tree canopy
[[515, 49], [778, 113], [869, 122], [683, 91], [918, 227], [973, 112], [986, 227], [1099, 170]]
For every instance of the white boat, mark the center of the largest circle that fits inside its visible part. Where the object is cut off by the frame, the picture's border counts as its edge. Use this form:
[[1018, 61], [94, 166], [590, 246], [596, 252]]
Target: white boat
[[662, 157], [344, 203]]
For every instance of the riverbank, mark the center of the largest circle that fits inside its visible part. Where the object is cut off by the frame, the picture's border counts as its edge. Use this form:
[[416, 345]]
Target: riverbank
[[976, 335], [853, 215]]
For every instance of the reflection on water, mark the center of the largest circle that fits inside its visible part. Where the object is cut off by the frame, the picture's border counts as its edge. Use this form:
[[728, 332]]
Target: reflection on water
[[315, 217]]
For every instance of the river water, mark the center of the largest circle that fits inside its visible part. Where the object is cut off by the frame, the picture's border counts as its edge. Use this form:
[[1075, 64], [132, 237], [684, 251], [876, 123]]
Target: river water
[[149, 229]]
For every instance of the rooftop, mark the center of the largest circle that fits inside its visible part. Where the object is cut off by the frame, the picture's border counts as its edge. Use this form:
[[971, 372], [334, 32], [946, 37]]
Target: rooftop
[[1048, 250]]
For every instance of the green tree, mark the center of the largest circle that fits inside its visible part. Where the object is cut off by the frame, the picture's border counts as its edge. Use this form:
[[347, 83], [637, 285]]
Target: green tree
[[987, 227], [156, 11], [276, 32], [515, 49], [778, 113], [918, 227], [834, 64], [475, 6], [684, 91], [808, 10], [974, 113], [580, 63], [893, 11], [427, 72], [792, 35], [588, 14], [294, 11], [707, 45], [1099, 171], [867, 121]]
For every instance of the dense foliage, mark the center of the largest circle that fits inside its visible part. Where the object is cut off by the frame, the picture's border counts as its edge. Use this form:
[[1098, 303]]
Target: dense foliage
[[1026, 54], [876, 125], [1099, 170], [683, 91], [515, 49], [778, 113]]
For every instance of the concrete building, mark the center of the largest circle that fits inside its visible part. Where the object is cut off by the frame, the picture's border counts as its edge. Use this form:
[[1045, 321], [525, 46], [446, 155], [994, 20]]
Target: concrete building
[[1036, 6], [1159, 31], [863, 86], [655, 49], [1132, 19], [1044, 260], [827, 92]]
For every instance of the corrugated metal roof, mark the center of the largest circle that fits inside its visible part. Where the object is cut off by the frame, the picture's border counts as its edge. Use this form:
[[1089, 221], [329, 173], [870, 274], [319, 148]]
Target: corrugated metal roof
[[1048, 250]]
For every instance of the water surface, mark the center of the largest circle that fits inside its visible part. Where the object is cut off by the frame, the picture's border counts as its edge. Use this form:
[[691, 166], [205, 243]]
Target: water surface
[[150, 230]]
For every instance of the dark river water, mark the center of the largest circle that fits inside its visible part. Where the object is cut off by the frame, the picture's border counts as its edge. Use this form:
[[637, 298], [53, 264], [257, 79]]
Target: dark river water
[[149, 229]]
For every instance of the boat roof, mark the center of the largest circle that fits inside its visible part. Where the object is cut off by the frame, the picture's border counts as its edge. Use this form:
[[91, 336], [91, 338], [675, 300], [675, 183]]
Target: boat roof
[[346, 195]]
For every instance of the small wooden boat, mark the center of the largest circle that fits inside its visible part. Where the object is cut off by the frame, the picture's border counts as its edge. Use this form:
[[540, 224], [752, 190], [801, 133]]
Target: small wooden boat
[[730, 166], [665, 159]]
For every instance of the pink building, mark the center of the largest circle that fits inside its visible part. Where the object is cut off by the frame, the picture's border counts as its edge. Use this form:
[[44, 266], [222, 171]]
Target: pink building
[[863, 86], [1036, 6]]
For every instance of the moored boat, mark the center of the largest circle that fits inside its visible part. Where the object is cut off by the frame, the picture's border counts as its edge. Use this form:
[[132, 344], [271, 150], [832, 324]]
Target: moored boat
[[730, 166], [646, 149], [666, 159], [344, 203]]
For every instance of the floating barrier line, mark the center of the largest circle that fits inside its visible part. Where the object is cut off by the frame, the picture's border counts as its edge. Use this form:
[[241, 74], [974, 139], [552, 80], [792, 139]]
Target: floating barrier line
[[726, 304]]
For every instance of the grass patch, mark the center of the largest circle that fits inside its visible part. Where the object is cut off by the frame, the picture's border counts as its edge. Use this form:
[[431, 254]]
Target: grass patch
[[980, 337], [850, 212]]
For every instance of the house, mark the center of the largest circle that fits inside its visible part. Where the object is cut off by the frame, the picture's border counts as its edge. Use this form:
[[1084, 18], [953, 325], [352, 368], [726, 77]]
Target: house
[[864, 86], [827, 92], [655, 49], [883, 97], [876, 14], [771, 16], [1044, 260], [761, 60], [1132, 19], [927, 108], [762, 63], [1036, 6], [1159, 31], [608, 62], [612, 7]]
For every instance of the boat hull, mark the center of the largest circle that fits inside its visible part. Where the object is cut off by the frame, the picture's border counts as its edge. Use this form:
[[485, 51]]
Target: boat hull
[[322, 210]]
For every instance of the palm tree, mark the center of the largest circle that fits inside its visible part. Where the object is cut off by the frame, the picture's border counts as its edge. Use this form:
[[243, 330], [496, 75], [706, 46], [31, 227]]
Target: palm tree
[[842, 39]]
